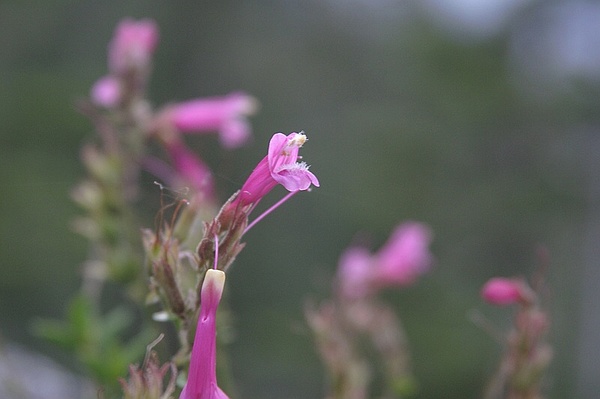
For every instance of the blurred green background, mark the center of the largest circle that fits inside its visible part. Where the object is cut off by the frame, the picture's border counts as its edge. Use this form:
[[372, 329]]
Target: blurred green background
[[478, 118]]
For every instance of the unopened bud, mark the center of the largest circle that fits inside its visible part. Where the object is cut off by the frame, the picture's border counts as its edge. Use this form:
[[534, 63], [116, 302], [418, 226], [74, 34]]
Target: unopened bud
[[503, 291]]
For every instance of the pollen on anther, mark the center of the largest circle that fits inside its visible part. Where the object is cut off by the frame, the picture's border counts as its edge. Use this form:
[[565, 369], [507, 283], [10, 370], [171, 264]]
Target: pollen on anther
[[298, 140]]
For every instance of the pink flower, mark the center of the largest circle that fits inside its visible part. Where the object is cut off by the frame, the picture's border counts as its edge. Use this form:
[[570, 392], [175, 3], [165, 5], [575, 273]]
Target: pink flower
[[190, 168], [224, 114], [399, 262], [280, 166], [503, 291], [202, 377], [405, 256], [106, 92], [355, 273], [132, 45]]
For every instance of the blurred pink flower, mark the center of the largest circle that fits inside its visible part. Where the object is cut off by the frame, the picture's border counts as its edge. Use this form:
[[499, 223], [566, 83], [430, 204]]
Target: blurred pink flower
[[399, 262], [355, 271], [278, 167], [106, 92], [202, 376], [503, 291], [405, 256], [226, 114], [190, 168], [132, 45]]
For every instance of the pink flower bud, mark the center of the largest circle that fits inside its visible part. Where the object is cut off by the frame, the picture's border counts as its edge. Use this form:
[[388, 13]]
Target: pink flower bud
[[202, 377], [106, 92], [227, 115], [502, 291], [132, 45]]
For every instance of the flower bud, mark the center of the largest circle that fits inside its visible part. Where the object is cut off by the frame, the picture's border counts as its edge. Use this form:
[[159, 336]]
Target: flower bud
[[503, 291], [202, 377], [132, 46], [106, 92]]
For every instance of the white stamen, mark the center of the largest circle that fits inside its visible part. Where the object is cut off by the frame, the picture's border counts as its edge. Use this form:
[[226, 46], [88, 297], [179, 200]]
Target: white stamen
[[292, 167], [298, 140]]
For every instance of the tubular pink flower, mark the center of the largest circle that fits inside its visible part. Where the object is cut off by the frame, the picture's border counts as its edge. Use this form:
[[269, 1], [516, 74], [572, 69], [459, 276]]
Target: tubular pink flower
[[502, 291], [202, 377], [278, 167], [132, 45], [191, 168], [405, 256], [399, 262], [106, 92], [226, 114]]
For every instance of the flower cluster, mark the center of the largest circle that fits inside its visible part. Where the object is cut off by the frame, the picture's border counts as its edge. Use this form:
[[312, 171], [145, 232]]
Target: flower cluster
[[188, 239], [527, 353], [356, 315], [122, 92], [194, 241]]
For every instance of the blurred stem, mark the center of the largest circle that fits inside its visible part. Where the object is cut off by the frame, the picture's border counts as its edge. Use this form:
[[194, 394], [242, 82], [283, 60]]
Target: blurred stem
[[114, 170], [109, 195]]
